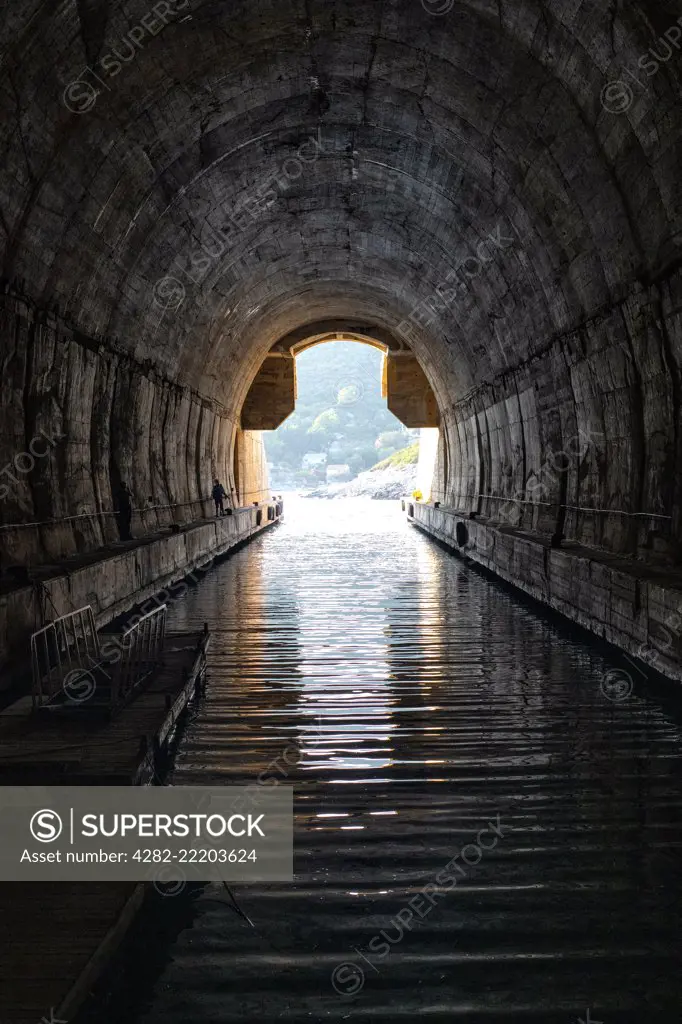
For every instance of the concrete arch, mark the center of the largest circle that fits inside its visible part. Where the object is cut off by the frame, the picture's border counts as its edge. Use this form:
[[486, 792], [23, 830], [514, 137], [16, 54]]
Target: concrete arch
[[272, 394], [473, 185]]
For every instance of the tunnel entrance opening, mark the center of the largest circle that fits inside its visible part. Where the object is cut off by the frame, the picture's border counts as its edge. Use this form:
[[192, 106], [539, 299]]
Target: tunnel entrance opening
[[342, 436], [368, 402]]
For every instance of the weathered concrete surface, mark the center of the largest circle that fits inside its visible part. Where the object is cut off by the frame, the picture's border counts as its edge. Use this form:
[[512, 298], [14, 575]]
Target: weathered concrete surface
[[114, 584], [471, 181], [592, 423], [249, 474], [408, 393], [77, 416], [272, 395], [629, 604]]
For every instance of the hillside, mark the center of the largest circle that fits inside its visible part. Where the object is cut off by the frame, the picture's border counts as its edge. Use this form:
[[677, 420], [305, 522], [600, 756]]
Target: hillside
[[340, 419], [405, 457]]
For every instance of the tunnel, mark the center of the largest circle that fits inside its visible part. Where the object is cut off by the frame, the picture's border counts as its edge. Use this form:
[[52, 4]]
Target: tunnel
[[194, 192], [481, 185]]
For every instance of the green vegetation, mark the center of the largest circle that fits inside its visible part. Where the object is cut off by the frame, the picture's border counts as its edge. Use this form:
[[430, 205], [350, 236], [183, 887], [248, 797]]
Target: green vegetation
[[405, 457], [340, 416]]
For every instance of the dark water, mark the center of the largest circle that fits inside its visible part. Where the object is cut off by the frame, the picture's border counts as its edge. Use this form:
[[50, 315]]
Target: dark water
[[430, 712]]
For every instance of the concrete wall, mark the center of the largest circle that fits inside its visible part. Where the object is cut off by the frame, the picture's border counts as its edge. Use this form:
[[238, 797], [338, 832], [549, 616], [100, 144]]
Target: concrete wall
[[77, 415], [272, 395], [250, 468], [622, 602], [592, 422], [117, 583]]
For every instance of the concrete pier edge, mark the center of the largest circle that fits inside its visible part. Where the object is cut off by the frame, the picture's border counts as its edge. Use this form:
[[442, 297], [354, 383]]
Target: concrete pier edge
[[118, 582], [631, 606]]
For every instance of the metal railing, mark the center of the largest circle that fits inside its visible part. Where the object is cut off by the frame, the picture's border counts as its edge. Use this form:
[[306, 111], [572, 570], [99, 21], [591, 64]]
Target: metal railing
[[141, 654], [203, 503], [205, 506], [572, 508], [69, 669], [59, 653]]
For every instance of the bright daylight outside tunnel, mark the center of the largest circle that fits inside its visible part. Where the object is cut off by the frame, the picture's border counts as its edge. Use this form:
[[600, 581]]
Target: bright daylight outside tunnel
[[340, 511]]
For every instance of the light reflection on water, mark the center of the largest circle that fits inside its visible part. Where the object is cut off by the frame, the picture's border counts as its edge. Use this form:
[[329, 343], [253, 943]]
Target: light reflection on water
[[421, 701]]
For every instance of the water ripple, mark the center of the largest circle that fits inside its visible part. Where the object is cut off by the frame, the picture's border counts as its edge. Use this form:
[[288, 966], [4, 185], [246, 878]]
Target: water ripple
[[416, 707]]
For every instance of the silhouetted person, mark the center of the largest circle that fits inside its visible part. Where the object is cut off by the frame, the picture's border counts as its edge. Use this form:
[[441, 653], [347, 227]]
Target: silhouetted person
[[123, 504], [218, 494]]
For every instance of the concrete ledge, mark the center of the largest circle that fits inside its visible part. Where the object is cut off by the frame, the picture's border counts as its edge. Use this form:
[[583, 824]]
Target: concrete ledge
[[118, 581], [635, 607]]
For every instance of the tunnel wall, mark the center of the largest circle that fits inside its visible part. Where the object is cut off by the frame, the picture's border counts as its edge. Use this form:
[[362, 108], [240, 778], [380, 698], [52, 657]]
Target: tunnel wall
[[639, 612], [76, 416], [250, 468], [591, 421], [120, 581]]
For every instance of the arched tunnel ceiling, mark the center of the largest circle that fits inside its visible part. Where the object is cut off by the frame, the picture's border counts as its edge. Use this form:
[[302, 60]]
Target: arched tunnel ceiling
[[438, 138]]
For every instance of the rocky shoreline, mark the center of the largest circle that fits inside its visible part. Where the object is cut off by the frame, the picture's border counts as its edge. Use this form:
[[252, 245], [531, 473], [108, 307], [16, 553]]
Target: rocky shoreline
[[378, 484]]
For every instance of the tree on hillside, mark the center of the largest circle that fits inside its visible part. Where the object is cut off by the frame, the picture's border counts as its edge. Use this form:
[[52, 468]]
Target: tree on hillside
[[339, 412]]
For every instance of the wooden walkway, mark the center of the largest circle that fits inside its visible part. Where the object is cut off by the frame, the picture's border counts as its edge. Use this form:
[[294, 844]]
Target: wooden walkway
[[81, 750], [56, 937]]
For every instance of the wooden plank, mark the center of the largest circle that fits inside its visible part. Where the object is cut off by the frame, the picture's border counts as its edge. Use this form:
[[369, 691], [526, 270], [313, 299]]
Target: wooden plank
[[83, 745], [86, 980], [55, 938], [58, 937]]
